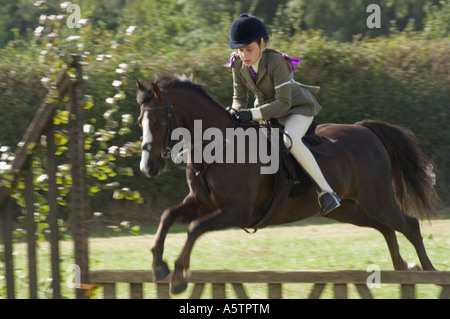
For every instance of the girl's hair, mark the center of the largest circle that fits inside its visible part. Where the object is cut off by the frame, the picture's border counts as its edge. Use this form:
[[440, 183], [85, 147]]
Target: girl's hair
[[288, 62]]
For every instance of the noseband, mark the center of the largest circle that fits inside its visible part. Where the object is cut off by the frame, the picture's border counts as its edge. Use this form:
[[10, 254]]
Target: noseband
[[171, 115]]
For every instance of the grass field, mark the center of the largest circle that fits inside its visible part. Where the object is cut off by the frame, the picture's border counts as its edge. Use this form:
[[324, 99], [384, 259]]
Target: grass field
[[299, 247]]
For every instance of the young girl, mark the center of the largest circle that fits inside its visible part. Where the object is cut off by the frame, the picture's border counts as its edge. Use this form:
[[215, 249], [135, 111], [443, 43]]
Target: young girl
[[266, 73]]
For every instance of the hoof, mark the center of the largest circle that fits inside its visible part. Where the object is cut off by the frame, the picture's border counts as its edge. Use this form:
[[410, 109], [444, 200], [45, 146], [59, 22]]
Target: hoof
[[161, 272], [178, 288], [413, 266]]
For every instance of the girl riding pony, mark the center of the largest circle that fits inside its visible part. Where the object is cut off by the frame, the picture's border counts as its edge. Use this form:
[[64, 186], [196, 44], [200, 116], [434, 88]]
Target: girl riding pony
[[266, 73]]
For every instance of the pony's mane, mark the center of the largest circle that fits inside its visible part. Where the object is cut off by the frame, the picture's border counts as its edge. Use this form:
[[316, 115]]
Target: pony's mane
[[167, 82], [173, 81]]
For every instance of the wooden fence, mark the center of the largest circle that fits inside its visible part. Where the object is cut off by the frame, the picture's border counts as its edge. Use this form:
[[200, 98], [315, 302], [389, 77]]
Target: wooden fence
[[42, 127], [274, 280]]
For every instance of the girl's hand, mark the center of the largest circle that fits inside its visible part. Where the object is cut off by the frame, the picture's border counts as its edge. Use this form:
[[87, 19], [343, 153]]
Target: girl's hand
[[243, 116]]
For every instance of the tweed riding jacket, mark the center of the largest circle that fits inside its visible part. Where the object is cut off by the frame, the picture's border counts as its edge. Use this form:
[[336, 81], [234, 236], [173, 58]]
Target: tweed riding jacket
[[277, 94]]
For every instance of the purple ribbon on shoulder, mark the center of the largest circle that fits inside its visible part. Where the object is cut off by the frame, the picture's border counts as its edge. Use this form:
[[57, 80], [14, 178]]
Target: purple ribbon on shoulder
[[232, 58], [291, 60]]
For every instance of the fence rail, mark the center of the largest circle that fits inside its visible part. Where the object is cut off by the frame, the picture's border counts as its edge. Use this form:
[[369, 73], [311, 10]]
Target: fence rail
[[274, 280]]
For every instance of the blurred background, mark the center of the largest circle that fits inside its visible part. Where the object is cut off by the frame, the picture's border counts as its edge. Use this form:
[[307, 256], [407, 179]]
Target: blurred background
[[397, 73]]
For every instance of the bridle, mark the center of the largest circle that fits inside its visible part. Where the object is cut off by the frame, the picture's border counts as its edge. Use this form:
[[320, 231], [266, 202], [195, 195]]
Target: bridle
[[171, 117]]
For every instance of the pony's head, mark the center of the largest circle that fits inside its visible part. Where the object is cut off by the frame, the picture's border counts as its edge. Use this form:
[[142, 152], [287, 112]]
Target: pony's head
[[155, 120], [158, 118]]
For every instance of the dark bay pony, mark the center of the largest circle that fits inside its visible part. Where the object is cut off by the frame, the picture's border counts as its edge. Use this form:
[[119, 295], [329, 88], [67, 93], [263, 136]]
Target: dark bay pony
[[376, 169]]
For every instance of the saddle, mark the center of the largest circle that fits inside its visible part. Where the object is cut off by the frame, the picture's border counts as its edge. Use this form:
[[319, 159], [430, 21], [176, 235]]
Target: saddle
[[290, 169], [290, 164], [291, 180]]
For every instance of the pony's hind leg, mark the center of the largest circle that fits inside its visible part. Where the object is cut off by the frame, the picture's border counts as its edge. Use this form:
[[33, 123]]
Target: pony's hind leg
[[410, 227], [415, 237], [351, 213], [391, 216]]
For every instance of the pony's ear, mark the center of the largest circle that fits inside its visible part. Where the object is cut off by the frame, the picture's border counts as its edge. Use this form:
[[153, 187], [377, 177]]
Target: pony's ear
[[140, 86], [156, 91]]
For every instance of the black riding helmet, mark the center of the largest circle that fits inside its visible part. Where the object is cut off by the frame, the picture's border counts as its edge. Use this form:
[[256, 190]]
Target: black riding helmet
[[245, 30]]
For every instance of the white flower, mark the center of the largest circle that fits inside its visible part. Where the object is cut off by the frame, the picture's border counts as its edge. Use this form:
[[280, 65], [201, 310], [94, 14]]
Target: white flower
[[127, 119], [116, 83], [119, 96], [130, 30], [88, 129], [39, 31], [45, 80], [73, 38], [83, 22], [5, 166], [42, 18], [64, 5]]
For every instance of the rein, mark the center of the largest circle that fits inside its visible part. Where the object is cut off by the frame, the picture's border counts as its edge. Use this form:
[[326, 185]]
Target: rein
[[265, 124]]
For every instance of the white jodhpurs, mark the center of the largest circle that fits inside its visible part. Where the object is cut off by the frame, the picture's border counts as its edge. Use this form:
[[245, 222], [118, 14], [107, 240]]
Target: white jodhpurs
[[296, 126]]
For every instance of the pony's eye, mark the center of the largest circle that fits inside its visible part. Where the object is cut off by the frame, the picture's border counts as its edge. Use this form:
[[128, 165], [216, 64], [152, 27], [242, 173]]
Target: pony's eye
[[159, 125]]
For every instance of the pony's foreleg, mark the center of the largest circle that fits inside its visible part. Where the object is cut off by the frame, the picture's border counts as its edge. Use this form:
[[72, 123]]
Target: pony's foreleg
[[183, 213], [220, 219]]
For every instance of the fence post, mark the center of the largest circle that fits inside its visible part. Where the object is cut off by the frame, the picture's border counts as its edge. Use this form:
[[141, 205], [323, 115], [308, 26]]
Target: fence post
[[7, 229], [53, 210], [79, 201], [31, 231]]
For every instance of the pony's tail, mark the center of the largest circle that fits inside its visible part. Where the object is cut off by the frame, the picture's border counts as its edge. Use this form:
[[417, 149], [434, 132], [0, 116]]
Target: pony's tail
[[412, 173]]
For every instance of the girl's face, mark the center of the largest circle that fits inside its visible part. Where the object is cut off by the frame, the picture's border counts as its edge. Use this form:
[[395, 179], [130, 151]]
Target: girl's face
[[250, 54]]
